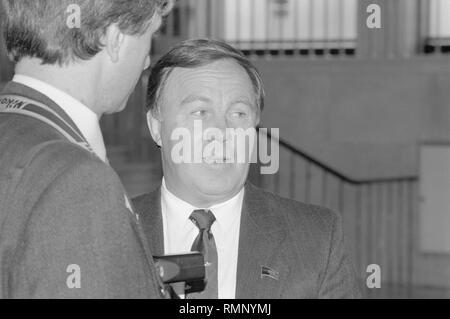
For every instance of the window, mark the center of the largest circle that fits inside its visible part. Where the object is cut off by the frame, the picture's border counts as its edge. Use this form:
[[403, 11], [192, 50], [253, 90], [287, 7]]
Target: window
[[270, 26], [292, 25], [436, 25]]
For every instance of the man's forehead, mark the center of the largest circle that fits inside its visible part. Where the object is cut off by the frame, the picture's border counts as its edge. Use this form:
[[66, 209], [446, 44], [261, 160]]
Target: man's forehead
[[219, 70]]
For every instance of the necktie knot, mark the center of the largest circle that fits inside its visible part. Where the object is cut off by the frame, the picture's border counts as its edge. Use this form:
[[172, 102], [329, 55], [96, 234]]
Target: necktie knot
[[203, 219]]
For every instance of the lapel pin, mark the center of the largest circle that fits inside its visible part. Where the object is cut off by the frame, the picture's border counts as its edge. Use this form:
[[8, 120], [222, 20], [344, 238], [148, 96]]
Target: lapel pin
[[269, 272]]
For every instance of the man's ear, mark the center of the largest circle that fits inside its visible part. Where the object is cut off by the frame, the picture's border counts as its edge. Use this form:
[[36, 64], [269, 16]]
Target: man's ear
[[114, 41], [258, 119], [154, 125]]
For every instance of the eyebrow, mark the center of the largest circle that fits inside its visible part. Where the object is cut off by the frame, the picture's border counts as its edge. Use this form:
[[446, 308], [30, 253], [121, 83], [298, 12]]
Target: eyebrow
[[246, 101], [195, 98]]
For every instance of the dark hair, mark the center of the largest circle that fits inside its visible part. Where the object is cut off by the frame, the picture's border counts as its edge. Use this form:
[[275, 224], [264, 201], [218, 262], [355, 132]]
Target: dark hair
[[197, 53], [38, 28]]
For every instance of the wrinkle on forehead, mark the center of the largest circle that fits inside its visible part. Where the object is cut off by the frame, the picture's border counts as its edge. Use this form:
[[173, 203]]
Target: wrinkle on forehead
[[209, 79]]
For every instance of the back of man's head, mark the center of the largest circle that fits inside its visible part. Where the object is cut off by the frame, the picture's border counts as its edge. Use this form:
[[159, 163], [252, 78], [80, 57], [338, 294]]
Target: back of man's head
[[43, 29]]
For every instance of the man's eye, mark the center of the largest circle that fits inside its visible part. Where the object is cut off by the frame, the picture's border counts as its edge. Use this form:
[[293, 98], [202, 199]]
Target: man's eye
[[239, 114], [199, 113]]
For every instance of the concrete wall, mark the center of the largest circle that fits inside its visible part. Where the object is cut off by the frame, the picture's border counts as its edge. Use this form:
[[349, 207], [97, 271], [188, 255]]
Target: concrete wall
[[365, 118]]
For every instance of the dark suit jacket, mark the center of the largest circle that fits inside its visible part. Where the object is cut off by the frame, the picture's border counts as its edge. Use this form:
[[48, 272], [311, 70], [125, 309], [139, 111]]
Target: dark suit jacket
[[303, 243], [59, 206]]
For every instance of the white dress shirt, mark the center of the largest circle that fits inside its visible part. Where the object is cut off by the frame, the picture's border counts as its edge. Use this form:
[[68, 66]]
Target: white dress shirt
[[83, 117], [180, 233]]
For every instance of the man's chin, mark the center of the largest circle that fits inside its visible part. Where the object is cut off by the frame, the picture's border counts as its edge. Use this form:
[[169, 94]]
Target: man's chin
[[219, 191]]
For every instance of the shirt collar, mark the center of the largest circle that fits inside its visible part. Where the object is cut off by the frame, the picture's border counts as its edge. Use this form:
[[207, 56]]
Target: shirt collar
[[179, 211], [83, 117], [176, 208], [228, 212]]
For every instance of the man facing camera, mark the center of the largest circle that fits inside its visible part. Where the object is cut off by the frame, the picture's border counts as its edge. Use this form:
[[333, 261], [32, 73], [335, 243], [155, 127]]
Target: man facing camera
[[67, 229], [256, 244]]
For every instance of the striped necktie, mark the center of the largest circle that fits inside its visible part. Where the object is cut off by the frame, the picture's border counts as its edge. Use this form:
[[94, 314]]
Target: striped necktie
[[205, 243]]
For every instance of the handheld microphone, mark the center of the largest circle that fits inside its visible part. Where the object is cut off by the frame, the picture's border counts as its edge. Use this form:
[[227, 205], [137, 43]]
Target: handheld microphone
[[181, 268]]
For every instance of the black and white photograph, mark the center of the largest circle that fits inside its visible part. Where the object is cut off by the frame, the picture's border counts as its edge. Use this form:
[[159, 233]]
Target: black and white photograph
[[224, 150]]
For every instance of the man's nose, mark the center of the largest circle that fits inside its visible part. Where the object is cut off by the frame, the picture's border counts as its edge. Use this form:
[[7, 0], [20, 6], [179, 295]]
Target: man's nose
[[217, 123], [221, 123]]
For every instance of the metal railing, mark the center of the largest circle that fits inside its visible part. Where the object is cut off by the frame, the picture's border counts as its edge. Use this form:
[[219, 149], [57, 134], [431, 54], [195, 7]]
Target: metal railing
[[378, 214], [315, 28], [291, 27], [270, 27], [435, 27]]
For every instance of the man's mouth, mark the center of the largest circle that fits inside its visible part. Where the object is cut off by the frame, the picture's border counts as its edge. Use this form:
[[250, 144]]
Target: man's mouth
[[217, 160]]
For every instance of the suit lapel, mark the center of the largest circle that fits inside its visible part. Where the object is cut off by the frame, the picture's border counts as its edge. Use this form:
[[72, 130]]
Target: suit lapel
[[152, 222], [260, 245]]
